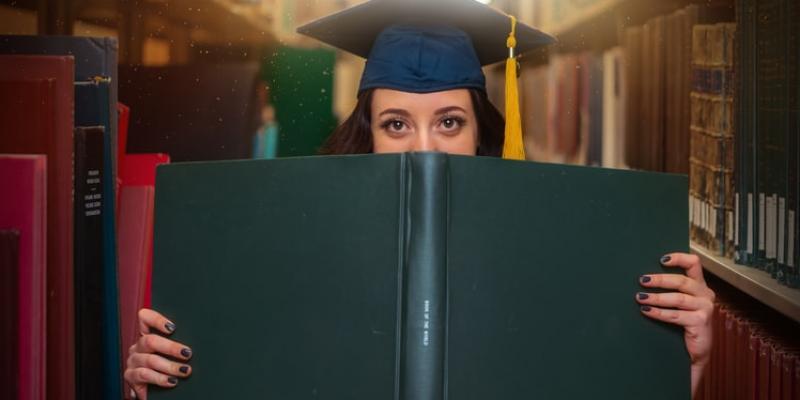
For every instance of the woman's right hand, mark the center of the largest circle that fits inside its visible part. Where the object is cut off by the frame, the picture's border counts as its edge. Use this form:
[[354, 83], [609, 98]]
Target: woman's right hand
[[147, 359]]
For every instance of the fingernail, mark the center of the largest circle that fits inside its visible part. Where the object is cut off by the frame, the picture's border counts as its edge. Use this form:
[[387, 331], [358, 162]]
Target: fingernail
[[665, 259], [170, 327], [172, 380], [643, 296], [186, 352], [644, 279], [646, 308], [184, 369]]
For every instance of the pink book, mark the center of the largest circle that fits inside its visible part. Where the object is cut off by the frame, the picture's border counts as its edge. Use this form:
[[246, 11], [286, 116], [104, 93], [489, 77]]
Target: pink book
[[135, 247], [140, 170], [23, 207]]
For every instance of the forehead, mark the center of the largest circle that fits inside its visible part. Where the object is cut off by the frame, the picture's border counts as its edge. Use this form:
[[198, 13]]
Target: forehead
[[387, 98]]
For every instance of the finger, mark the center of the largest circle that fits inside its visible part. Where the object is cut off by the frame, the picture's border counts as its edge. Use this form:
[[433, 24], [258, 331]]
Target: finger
[[689, 262], [677, 317], [677, 282], [159, 364], [139, 392], [151, 319], [162, 345], [148, 376], [675, 300]]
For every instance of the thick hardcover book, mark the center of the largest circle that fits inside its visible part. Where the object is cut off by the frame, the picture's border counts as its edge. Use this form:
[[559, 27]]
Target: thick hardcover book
[[135, 238], [92, 109], [140, 170], [89, 282], [94, 57], [36, 118], [23, 207], [417, 276], [10, 313]]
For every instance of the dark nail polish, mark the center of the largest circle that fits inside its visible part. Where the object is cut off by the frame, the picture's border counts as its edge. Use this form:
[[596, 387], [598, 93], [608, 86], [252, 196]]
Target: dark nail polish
[[646, 308], [643, 296], [665, 259], [184, 369], [186, 352], [170, 327], [172, 380], [645, 279]]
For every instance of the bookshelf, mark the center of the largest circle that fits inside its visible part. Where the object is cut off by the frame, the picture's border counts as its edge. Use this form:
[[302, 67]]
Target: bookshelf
[[756, 283]]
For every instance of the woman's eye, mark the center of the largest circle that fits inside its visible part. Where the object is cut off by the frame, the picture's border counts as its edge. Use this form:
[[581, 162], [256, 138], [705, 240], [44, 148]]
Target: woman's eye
[[396, 125], [451, 123]]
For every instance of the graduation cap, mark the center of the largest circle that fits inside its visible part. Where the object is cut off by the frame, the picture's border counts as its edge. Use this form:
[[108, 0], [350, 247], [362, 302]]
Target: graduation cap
[[424, 46]]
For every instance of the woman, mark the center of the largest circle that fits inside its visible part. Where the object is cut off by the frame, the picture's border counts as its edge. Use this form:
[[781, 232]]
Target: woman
[[423, 90]]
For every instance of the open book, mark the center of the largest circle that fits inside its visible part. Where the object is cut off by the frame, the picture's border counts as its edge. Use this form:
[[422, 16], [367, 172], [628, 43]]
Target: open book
[[417, 276]]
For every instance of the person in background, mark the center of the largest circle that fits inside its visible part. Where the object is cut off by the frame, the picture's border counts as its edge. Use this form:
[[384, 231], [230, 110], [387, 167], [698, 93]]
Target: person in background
[[423, 90], [265, 142]]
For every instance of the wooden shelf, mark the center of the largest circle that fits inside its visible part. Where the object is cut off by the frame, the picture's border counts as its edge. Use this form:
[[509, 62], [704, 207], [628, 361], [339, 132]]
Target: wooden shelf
[[758, 284]]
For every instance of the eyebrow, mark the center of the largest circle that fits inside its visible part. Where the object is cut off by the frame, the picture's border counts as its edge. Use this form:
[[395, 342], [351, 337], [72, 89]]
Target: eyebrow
[[400, 111]]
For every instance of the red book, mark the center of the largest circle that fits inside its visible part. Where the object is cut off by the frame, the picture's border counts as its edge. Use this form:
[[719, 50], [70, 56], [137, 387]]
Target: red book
[[25, 210], [37, 97], [775, 371], [9, 313], [750, 364], [140, 170], [135, 252], [787, 380], [764, 354]]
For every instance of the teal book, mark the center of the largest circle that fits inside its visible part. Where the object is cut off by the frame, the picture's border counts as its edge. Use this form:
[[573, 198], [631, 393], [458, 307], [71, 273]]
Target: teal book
[[417, 276]]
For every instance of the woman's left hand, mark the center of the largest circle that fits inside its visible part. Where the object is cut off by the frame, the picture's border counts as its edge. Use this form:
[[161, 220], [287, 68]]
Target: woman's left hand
[[690, 304]]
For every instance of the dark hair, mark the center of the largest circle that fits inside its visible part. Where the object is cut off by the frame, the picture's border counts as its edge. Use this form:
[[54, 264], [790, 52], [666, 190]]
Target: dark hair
[[354, 135]]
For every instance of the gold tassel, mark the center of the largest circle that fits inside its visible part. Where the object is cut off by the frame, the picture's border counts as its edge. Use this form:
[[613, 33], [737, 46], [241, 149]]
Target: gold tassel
[[513, 147]]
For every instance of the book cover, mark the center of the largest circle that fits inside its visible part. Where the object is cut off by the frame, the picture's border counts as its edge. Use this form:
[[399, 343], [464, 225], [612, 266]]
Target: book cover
[[93, 109], [135, 238], [23, 207], [411, 275], [38, 119], [90, 319], [10, 313]]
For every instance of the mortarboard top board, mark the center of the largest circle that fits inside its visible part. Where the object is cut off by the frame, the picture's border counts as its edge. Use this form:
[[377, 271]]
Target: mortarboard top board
[[355, 29]]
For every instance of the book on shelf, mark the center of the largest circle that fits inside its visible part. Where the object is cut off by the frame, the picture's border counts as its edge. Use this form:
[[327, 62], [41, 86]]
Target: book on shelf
[[712, 140], [90, 283], [92, 109], [10, 313], [402, 272], [23, 208], [37, 94]]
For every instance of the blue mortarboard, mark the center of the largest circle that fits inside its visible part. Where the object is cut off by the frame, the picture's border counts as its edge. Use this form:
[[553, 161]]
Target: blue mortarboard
[[423, 46]]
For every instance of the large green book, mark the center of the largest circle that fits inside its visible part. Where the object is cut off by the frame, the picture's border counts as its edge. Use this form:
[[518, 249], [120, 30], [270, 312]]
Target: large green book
[[417, 276]]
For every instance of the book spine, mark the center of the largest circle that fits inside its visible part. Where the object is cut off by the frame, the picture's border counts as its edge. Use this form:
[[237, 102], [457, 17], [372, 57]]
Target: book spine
[[88, 256], [424, 313], [10, 312]]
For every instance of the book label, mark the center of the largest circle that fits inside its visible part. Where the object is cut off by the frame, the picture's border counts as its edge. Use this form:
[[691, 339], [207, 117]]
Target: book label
[[771, 228]]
